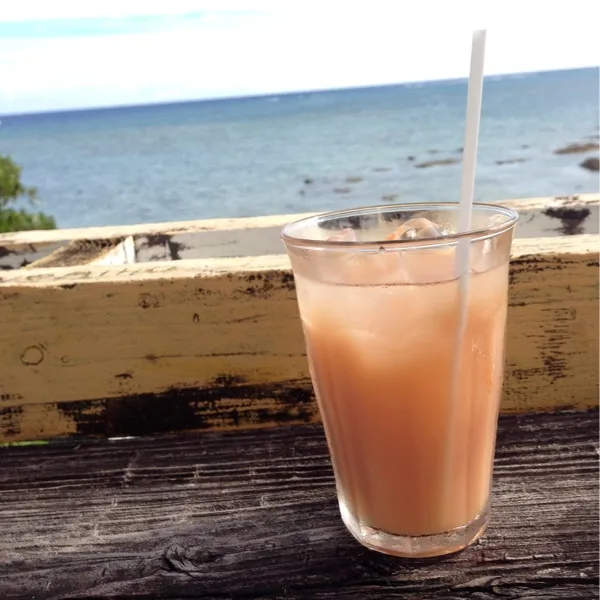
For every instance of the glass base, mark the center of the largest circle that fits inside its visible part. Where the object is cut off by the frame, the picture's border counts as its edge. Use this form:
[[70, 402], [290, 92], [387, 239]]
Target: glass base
[[421, 546]]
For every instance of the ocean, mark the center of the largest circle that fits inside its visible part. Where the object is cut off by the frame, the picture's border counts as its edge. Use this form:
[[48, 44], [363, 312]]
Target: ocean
[[305, 152]]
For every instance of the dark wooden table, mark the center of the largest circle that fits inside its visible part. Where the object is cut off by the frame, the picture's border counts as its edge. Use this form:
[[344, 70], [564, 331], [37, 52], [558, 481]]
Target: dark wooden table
[[253, 515]]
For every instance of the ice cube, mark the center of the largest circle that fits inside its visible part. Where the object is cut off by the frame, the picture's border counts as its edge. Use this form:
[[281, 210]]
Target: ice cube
[[345, 235], [419, 228]]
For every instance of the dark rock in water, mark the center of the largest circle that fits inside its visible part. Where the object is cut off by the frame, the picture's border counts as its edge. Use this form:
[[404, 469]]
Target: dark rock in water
[[353, 179], [578, 148], [525, 146], [511, 161], [411, 157], [389, 197], [342, 190], [435, 163], [308, 181], [591, 164], [381, 169], [460, 150]]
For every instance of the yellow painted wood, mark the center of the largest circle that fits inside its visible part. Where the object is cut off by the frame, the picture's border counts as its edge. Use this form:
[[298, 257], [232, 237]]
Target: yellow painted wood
[[229, 329], [552, 356]]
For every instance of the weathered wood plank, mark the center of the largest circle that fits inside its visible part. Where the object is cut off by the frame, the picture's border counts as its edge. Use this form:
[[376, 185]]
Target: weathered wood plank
[[254, 515], [257, 236], [561, 215], [116, 251], [230, 224], [218, 343], [555, 217], [18, 256]]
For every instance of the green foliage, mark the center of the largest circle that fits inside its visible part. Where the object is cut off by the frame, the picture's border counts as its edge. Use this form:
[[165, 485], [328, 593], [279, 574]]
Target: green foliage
[[21, 220], [12, 190]]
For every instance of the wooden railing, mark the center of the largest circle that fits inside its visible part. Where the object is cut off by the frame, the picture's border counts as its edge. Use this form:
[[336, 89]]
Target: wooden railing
[[186, 326], [181, 327]]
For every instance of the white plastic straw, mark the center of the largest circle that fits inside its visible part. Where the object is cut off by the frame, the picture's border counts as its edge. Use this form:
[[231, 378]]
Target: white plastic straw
[[469, 163], [467, 188]]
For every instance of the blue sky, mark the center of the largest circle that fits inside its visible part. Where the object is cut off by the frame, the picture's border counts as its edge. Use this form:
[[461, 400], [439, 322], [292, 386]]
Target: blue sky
[[66, 54]]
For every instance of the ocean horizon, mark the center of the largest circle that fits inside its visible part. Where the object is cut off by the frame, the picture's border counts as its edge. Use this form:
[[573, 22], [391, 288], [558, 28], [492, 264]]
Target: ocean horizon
[[306, 151], [208, 99]]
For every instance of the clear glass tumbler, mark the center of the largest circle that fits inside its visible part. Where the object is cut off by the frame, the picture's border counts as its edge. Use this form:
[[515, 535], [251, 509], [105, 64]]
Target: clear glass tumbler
[[405, 340]]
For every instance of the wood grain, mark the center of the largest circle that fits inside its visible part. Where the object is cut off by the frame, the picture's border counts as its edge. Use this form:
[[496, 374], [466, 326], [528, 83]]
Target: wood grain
[[218, 343], [253, 515], [115, 251], [258, 236]]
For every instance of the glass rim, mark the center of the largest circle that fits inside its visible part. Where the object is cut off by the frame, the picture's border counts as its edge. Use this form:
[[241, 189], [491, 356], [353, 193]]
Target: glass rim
[[512, 216]]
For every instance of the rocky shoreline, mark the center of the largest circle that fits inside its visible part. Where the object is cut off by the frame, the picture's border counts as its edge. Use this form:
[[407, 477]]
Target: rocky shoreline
[[591, 163], [589, 144]]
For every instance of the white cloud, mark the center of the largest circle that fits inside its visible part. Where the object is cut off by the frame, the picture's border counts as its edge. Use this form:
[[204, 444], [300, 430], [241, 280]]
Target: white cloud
[[25, 10], [281, 49]]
